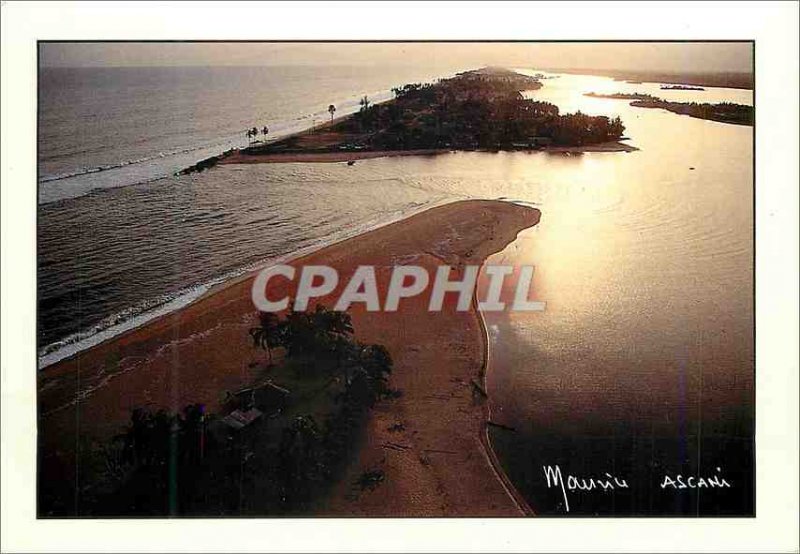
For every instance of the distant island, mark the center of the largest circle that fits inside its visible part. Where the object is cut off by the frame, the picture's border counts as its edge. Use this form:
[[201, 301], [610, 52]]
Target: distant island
[[680, 87], [724, 112], [481, 109], [622, 96], [726, 79]]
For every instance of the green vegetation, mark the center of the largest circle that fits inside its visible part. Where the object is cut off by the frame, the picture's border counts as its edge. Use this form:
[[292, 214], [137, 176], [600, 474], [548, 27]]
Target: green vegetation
[[252, 134], [622, 96], [680, 87], [482, 109], [741, 80], [273, 450], [724, 112]]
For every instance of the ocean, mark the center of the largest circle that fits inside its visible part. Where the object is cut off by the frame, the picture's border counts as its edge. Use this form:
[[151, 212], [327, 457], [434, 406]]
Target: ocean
[[121, 239], [110, 127]]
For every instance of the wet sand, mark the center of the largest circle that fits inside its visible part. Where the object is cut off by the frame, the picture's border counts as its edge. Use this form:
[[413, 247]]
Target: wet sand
[[611, 146], [437, 465]]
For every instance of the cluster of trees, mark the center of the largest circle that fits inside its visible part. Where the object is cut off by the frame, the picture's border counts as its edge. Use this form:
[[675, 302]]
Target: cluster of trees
[[322, 341], [724, 112], [252, 134], [622, 96], [148, 466], [317, 333], [472, 111], [171, 464], [579, 129]]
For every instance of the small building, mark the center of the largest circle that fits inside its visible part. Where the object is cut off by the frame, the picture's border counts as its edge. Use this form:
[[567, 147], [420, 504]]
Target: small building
[[239, 419], [268, 398]]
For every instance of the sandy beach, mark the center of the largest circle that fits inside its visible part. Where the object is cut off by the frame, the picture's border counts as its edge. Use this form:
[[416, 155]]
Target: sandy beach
[[338, 157], [437, 465], [321, 157]]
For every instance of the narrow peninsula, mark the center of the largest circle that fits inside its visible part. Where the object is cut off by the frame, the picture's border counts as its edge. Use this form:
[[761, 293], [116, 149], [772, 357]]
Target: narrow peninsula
[[322, 413], [723, 112], [478, 110]]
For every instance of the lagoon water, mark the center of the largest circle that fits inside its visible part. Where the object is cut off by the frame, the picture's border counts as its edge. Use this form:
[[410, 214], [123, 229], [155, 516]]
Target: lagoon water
[[642, 363]]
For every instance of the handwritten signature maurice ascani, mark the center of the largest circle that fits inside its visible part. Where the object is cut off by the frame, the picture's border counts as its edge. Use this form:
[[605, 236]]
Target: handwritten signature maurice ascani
[[609, 482]]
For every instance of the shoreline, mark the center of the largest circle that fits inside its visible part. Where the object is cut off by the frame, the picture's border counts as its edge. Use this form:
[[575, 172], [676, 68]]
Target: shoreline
[[340, 157], [732, 80], [403, 125], [213, 286], [201, 350], [322, 157], [486, 441], [433, 452]]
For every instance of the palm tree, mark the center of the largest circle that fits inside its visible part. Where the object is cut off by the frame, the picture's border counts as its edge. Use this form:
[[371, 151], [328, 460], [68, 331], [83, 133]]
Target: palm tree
[[254, 132], [264, 131], [331, 110], [332, 321], [268, 333], [362, 115]]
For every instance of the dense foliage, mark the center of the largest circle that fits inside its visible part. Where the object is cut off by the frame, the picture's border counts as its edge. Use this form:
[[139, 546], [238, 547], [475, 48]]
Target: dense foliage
[[471, 111], [724, 112], [171, 464], [475, 110]]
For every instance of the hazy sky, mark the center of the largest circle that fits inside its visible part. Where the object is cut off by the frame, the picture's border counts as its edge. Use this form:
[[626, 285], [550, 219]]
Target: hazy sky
[[684, 57]]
